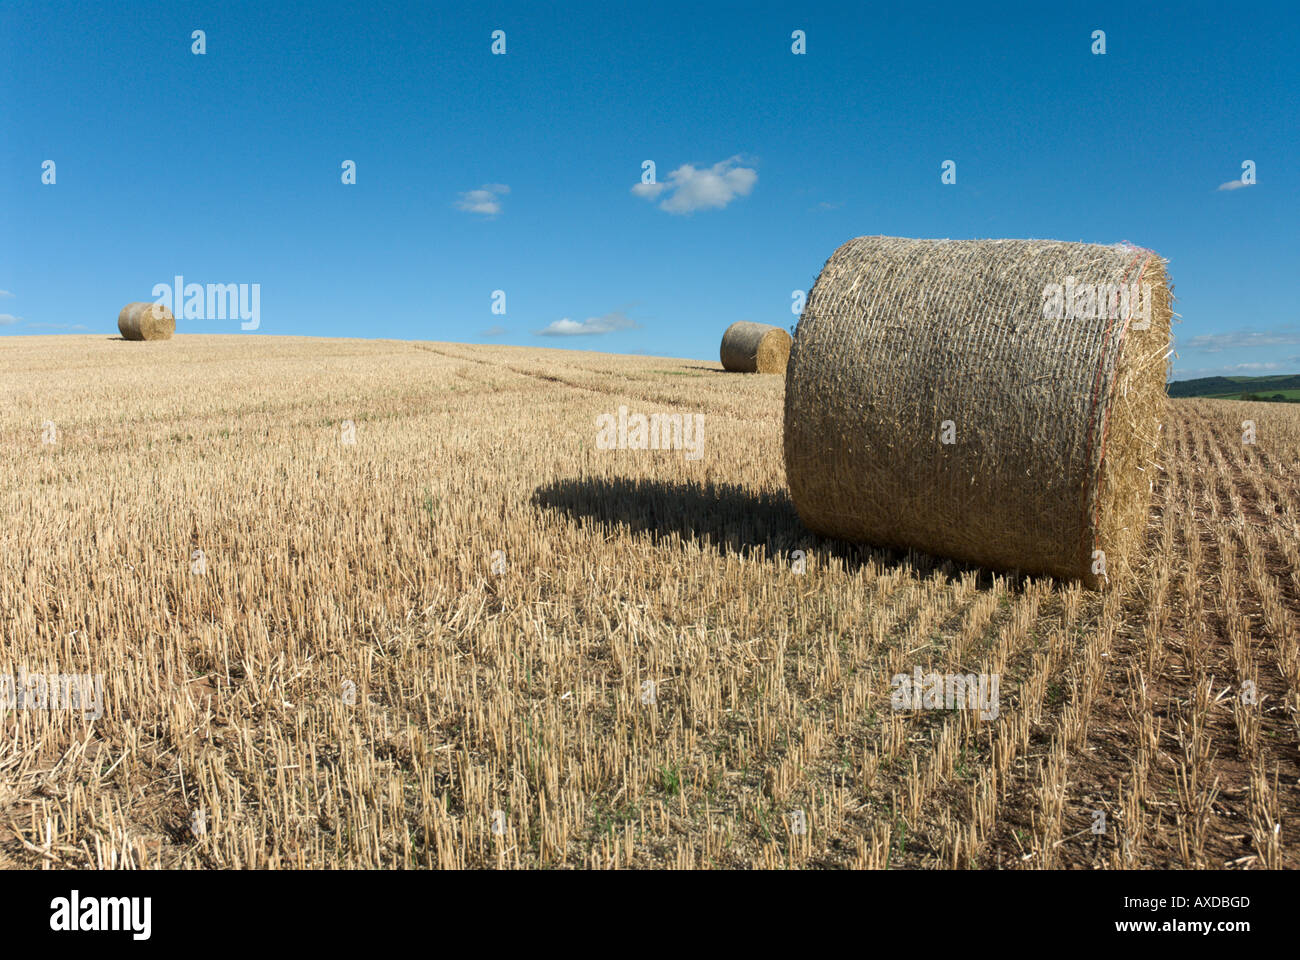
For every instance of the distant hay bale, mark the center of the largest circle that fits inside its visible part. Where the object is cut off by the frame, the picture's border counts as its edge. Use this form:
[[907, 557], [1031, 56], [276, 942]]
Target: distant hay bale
[[993, 401], [146, 321], [755, 348]]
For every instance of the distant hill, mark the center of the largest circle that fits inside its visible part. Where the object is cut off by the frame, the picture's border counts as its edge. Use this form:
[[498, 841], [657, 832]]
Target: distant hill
[[1233, 387]]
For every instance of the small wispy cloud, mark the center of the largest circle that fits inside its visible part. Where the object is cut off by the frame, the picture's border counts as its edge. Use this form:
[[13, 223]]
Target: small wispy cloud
[[1235, 184], [494, 331], [1241, 369], [7, 319], [57, 326], [689, 188], [5, 293], [1241, 340], [827, 205], [608, 323], [485, 201]]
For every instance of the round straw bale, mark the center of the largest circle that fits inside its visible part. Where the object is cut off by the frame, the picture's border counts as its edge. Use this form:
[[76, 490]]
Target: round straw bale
[[755, 348], [146, 321], [994, 401]]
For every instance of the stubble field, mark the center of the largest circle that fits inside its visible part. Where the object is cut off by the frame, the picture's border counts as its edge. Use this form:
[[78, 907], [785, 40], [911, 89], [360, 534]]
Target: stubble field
[[387, 604]]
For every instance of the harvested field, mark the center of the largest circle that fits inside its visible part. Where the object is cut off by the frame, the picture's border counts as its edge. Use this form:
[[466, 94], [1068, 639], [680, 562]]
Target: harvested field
[[388, 604]]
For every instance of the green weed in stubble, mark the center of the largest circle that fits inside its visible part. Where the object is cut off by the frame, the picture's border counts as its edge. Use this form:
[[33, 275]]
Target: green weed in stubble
[[670, 779]]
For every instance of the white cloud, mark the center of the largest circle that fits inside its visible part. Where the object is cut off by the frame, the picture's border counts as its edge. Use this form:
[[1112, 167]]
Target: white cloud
[[8, 318], [494, 331], [690, 188], [1242, 339], [485, 201], [5, 293], [610, 322], [1235, 185], [649, 190], [1240, 369]]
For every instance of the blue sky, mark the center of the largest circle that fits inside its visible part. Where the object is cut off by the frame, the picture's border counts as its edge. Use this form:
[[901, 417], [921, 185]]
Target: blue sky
[[477, 172]]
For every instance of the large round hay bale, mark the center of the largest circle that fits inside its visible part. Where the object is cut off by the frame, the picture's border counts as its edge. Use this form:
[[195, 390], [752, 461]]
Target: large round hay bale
[[755, 348], [970, 399], [146, 321]]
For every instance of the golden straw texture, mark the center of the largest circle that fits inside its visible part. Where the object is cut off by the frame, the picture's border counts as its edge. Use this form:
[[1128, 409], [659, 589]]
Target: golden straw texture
[[755, 348], [146, 321], [993, 401]]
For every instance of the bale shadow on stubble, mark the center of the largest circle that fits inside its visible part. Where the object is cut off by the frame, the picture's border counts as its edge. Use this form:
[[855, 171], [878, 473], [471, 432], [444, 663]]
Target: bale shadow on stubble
[[725, 517]]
